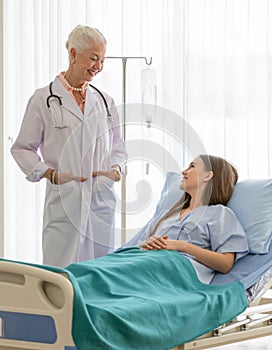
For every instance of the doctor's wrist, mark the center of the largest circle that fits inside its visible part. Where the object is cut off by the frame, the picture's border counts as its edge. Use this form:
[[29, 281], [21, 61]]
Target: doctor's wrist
[[47, 174], [51, 175]]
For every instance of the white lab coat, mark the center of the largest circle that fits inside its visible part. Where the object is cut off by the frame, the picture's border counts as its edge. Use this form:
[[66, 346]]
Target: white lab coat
[[78, 221]]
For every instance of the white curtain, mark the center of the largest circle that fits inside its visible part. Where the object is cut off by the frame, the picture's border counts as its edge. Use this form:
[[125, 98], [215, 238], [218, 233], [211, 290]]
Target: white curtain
[[228, 80], [212, 60]]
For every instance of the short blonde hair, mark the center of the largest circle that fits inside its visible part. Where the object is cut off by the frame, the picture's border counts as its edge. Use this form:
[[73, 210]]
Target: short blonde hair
[[82, 37]]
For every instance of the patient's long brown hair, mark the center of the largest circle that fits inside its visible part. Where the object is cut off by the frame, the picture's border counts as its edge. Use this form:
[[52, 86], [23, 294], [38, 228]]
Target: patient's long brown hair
[[218, 190]]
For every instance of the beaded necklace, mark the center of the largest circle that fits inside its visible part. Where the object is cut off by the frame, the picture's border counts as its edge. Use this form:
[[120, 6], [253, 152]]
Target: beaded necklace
[[74, 88]]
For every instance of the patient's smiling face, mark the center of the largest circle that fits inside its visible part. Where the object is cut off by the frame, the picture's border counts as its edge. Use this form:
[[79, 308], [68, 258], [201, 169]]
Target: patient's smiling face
[[194, 176]]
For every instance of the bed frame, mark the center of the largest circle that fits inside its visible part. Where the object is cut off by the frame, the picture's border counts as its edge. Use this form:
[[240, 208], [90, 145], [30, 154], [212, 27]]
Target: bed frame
[[254, 322], [36, 313], [35, 308]]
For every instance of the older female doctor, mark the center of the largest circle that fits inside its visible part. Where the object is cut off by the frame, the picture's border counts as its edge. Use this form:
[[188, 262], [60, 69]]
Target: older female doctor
[[76, 130]]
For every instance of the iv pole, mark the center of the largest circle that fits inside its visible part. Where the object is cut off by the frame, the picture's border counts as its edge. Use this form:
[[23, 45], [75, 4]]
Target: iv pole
[[123, 181]]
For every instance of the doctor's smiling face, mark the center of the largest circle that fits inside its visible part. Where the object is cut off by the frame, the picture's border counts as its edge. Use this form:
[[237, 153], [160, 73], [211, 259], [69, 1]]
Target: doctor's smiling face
[[86, 50], [88, 62]]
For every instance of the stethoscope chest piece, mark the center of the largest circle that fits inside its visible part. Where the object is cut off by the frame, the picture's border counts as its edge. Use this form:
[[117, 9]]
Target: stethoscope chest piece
[[49, 100]]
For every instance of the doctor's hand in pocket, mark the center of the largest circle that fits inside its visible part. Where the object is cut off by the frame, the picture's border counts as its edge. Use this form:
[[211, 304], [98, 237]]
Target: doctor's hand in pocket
[[59, 178], [113, 174]]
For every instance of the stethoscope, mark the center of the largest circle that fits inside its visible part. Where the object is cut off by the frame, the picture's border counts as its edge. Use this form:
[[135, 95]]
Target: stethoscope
[[61, 125]]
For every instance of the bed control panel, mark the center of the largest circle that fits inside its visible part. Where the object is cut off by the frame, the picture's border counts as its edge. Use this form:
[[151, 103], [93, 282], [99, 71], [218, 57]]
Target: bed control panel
[[27, 327]]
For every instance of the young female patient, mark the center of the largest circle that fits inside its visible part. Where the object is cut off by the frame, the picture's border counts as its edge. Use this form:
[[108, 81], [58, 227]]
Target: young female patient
[[149, 296], [199, 225]]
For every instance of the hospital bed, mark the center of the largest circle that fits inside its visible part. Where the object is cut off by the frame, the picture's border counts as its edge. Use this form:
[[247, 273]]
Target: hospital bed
[[37, 303]]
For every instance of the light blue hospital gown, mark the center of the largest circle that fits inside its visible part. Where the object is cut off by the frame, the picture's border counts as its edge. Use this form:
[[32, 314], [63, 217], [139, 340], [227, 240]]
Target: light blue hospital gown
[[212, 227]]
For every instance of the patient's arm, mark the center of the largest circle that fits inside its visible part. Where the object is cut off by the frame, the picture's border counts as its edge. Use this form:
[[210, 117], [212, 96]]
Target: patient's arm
[[221, 262]]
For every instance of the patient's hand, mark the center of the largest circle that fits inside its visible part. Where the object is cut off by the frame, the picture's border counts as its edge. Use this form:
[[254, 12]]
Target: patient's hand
[[155, 243]]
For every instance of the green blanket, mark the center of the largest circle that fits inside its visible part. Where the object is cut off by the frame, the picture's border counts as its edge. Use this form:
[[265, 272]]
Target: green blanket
[[145, 300]]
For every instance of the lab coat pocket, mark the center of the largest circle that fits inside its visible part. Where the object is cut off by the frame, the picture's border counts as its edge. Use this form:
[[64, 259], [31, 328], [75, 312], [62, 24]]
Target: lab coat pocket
[[103, 199], [62, 203], [102, 183], [61, 187]]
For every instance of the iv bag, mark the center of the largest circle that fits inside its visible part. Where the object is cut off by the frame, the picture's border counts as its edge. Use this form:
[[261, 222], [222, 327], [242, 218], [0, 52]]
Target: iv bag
[[149, 94]]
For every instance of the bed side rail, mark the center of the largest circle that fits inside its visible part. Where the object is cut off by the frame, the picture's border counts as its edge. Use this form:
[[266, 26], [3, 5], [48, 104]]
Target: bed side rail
[[35, 308]]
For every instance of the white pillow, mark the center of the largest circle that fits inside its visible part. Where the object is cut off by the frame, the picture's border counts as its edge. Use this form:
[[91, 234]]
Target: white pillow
[[251, 201]]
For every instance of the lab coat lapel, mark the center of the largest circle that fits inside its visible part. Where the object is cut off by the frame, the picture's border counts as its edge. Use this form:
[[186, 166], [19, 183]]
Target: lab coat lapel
[[67, 101], [90, 102], [89, 132], [89, 139]]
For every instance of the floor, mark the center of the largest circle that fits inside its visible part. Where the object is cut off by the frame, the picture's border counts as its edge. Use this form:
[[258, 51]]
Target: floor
[[264, 343]]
